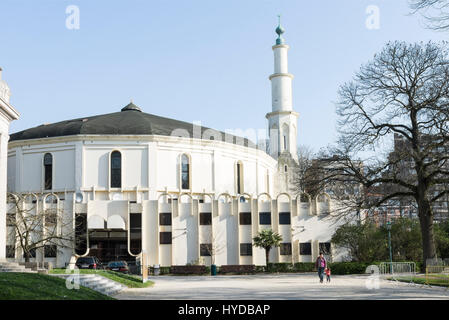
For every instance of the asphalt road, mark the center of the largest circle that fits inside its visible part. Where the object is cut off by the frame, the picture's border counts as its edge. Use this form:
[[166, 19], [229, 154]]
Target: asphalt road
[[282, 286]]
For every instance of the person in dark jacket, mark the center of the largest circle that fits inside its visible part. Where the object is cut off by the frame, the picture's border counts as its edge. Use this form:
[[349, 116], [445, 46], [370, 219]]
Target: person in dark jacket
[[321, 264]]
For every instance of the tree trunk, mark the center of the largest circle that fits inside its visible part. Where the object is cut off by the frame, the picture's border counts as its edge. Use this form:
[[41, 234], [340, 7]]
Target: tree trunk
[[426, 221], [267, 255]]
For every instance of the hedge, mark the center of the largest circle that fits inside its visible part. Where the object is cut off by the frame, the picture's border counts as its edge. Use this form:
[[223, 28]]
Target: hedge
[[341, 268], [337, 268]]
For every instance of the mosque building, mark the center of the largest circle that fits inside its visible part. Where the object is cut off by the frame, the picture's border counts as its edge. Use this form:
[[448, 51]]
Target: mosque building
[[133, 182]]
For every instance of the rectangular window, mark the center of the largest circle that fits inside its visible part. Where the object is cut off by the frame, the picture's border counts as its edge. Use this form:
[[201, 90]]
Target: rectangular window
[[164, 237], [32, 253], [284, 217], [305, 248], [245, 218], [10, 219], [246, 249], [10, 251], [265, 218], [165, 219], [286, 249], [50, 251], [205, 249], [325, 247], [205, 218]]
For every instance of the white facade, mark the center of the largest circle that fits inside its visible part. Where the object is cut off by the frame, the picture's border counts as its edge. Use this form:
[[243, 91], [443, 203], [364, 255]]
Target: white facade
[[7, 114], [186, 192]]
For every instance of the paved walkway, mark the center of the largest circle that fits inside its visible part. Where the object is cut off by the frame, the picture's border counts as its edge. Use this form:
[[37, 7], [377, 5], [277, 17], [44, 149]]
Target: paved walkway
[[284, 286]]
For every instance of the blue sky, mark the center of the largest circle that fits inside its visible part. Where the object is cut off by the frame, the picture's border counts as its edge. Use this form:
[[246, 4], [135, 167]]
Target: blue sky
[[196, 60]]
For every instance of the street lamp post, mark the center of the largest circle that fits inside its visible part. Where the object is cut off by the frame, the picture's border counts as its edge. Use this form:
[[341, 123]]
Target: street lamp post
[[389, 245]]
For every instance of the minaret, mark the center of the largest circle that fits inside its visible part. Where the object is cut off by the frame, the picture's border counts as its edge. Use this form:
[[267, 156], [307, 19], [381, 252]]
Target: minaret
[[283, 120]]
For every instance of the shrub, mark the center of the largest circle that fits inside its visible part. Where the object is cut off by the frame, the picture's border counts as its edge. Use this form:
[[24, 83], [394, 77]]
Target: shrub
[[304, 267], [341, 268]]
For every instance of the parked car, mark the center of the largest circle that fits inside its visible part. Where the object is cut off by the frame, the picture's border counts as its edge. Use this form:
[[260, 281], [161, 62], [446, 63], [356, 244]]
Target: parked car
[[88, 263], [119, 266]]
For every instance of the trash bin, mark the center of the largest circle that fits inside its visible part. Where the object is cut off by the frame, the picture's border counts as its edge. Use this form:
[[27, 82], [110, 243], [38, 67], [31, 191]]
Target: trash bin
[[213, 270], [156, 269]]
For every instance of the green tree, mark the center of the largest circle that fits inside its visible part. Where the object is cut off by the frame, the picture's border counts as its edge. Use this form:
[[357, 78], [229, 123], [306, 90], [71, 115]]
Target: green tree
[[364, 242], [442, 239], [406, 241], [266, 239]]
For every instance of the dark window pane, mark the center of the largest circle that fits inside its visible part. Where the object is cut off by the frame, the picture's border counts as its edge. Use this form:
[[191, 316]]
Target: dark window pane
[[48, 171], [284, 217], [116, 169], [246, 249], [135, 233], [205, 218], [286, 249], [48, 159], [80, 233], [136, 246], [10, 251], [239, 179], [205, 249], [265, 218], [165, 219], [135, 221], [10, 219], [305, 248], [165, 237], [325, 247], [245, 218], [32, 253], [50, 251], [185, 174]]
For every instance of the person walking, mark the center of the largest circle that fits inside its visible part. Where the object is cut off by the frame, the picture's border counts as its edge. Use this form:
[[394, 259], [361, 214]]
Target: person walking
[[328, 274], [321, 265]]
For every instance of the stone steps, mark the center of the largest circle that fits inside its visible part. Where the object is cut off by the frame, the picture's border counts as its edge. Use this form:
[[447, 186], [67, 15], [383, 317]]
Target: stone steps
[[9, 266], [97, 283]]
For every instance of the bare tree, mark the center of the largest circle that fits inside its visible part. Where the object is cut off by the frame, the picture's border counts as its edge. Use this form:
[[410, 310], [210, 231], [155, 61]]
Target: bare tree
[[215, 247], [305, 160], [436, 12], [404, 90], [36, 228]]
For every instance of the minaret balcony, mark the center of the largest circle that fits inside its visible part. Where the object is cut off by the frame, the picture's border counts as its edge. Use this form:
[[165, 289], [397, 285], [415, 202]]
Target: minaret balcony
[[274, 75]]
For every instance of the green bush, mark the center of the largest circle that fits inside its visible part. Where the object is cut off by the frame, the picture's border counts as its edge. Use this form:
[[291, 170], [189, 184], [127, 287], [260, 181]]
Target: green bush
[[164, 270], [280, 267], [304, 267], [340, 268], [288, 267], [260, 269]]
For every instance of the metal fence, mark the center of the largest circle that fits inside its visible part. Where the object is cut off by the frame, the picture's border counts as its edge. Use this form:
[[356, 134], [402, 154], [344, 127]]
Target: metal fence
[[398, 268], [437, 274]]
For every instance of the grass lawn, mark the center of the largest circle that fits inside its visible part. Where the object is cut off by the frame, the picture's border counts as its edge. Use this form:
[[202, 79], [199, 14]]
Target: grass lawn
[[32, 286], [128, 280], [433, 280]]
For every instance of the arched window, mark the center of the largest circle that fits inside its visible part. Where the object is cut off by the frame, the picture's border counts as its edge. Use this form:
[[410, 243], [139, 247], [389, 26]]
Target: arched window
[[239, 177], [48, 171], [185, 172], [116, 169]]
